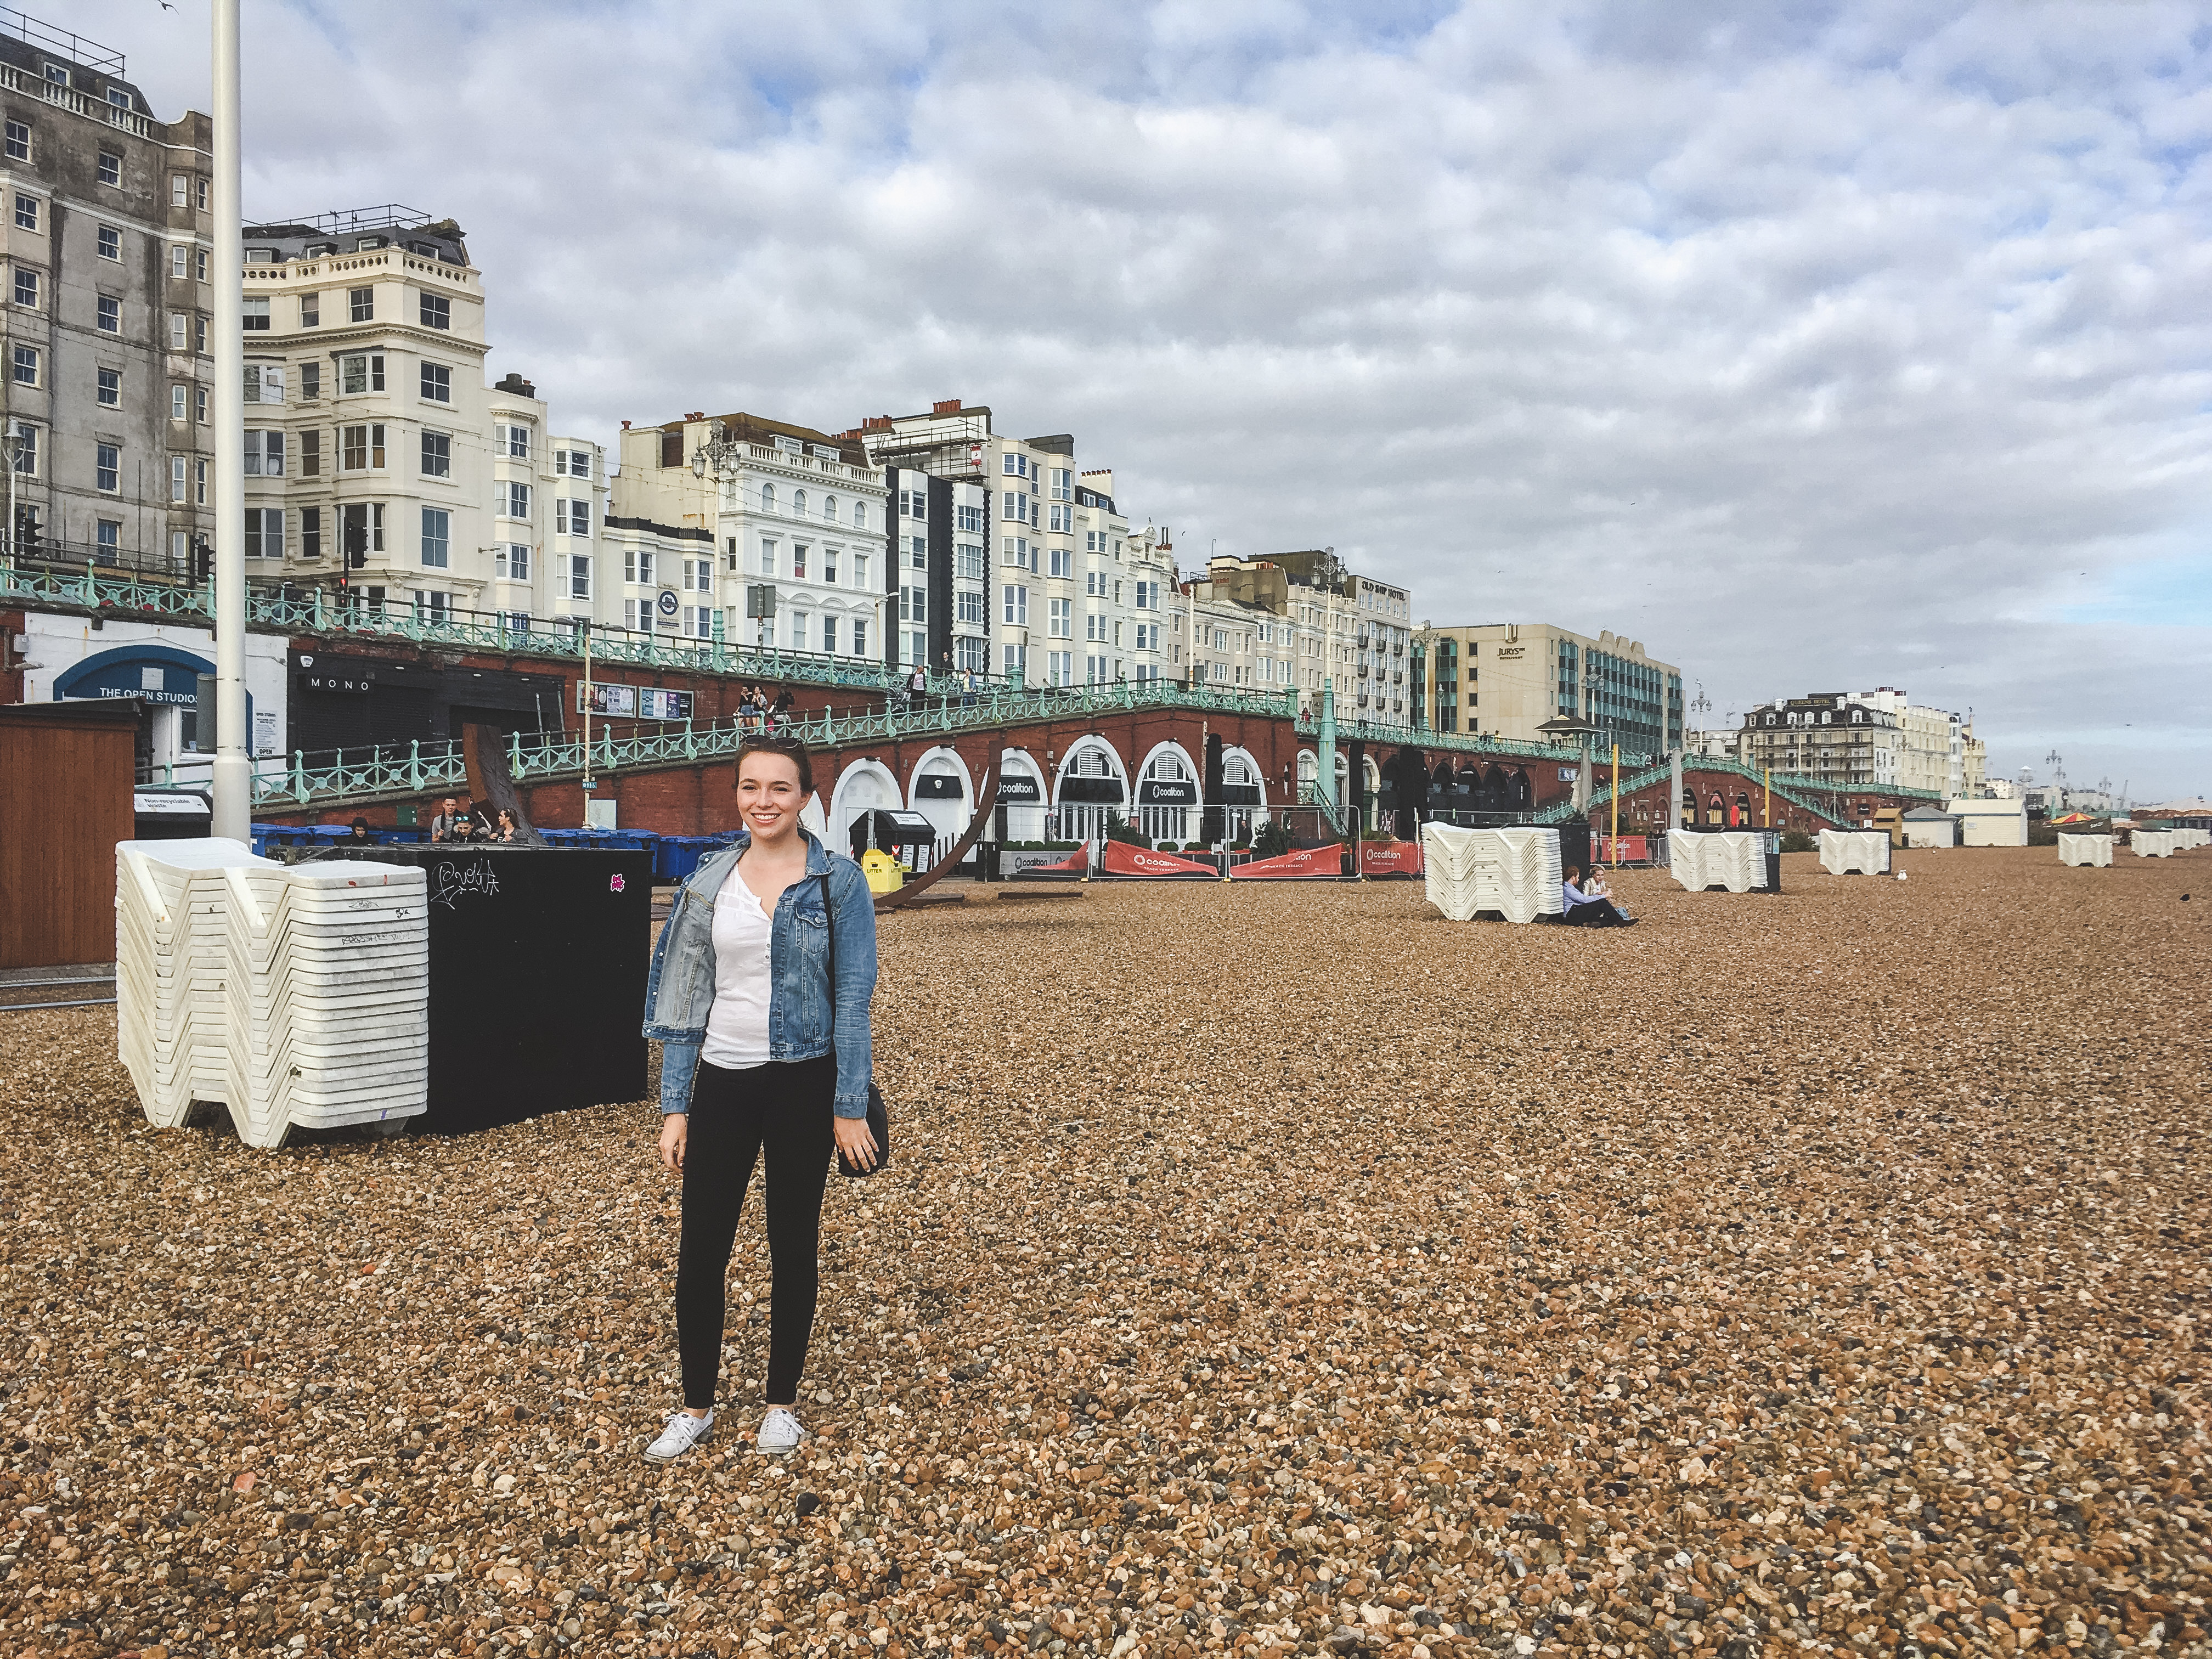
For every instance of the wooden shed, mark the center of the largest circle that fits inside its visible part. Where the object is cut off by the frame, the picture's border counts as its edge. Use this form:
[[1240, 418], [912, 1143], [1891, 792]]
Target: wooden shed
[[66, 770]]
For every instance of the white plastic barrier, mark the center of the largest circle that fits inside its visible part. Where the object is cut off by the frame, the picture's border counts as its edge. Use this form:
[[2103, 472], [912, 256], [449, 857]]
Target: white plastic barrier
[[2152, 843], [293, 995], [1865, 851], [1514, 872], [2185, 839], [2082, 850], [1734, 859]]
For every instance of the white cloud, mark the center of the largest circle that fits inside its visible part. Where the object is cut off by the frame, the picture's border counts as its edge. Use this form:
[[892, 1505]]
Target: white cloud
[[1816, 347]]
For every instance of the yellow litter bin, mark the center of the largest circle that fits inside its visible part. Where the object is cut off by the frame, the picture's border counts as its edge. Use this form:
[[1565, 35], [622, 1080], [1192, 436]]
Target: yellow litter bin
[[884, 873]]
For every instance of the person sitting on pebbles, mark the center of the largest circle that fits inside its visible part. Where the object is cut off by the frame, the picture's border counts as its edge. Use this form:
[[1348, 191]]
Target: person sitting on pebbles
[[1589, 906], [759, 999]]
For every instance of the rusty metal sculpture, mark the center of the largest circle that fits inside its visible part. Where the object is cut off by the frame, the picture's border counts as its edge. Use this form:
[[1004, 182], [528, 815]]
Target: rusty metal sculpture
[[986, 799]]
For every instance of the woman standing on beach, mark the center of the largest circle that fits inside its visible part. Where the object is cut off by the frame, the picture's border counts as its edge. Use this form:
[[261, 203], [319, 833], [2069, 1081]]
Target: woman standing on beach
[[764, 1051]]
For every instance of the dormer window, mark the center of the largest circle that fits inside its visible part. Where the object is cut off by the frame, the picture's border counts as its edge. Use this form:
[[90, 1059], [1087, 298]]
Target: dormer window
[[320, 250], [261, 256], [367, 243]]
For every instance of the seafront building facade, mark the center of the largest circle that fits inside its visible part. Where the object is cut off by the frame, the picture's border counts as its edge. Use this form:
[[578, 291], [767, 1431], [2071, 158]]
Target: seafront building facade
[[1828, 736], [378, 463], [1938, 748], [1058, 596], [1507, 679], [107, 306], [1303, 621], [762, 533]]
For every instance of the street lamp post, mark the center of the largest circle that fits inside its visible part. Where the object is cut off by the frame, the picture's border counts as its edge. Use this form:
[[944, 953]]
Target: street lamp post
[[15, 462]]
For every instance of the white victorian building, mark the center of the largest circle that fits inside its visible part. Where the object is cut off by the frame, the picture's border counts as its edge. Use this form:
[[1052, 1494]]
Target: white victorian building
[[770, 535], [1036, 581]]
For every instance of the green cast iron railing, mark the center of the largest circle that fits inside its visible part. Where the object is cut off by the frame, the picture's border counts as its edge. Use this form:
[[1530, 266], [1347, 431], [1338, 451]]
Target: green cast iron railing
[[947, 707]]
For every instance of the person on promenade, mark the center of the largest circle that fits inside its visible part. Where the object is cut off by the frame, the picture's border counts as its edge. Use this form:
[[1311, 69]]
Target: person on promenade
[[504, 830], [446, 824], [359, 836], [1586, 910], [765, 1058]]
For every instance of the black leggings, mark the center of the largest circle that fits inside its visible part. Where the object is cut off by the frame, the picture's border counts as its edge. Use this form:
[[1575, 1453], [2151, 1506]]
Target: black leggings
[[785, 1108], [1596, 913]]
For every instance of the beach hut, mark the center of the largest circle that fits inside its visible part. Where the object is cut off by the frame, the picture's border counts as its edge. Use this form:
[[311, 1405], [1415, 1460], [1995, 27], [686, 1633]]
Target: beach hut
[[1930, 826]]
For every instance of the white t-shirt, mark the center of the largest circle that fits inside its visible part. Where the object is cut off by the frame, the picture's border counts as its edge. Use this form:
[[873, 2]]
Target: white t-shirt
[[737, 1025]]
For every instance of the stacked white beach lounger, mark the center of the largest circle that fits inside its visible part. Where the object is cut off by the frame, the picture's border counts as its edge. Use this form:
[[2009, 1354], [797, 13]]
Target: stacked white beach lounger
[[172, 936], [1734, 859], [1512, 873], [2080, 850], [1864, 851], [294, 995]]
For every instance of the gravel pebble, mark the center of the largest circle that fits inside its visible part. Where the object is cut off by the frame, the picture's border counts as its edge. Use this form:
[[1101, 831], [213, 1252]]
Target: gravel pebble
[[1276, 1270]]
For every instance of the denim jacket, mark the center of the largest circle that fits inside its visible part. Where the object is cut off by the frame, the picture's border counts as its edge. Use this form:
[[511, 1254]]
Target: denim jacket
[[681, 988]]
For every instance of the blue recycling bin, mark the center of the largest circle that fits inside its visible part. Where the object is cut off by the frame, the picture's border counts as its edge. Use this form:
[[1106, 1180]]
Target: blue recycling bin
[[679, 856]]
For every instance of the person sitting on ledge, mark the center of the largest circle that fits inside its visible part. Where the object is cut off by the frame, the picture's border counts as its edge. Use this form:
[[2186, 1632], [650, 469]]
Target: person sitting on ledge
[[1590, 908]]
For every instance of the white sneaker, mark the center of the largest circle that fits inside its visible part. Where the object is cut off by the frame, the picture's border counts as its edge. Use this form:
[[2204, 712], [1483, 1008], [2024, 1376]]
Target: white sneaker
[[683, 1431], [780, 1432]]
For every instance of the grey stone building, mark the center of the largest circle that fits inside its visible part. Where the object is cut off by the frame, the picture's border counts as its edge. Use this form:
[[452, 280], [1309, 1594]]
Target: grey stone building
[[105, 369]]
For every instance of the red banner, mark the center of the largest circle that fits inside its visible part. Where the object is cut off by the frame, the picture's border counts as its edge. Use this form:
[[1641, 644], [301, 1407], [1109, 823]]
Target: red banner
[[1306, 861], [1624, 849], [1123, 860], [1074, 865], [1389, 858]]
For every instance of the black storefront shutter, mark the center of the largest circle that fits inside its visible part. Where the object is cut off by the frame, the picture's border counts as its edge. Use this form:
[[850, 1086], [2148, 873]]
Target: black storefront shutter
[[1091, 791]]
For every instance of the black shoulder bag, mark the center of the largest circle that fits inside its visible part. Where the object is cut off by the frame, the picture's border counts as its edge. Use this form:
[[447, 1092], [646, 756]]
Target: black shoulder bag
[[879, 1119]]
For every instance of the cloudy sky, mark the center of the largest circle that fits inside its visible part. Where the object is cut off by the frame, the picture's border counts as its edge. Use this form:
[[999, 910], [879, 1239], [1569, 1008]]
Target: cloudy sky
[[1818, 346]]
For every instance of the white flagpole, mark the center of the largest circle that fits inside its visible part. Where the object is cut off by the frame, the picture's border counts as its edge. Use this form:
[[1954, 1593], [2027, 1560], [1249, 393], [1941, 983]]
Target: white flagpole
[[233, 773]]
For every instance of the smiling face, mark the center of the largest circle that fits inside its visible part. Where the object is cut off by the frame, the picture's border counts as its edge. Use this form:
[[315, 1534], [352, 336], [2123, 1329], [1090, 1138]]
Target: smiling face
[[770, 796]]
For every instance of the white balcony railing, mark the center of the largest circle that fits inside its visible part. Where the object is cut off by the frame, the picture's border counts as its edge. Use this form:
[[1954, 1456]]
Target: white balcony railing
[[92, 109]]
